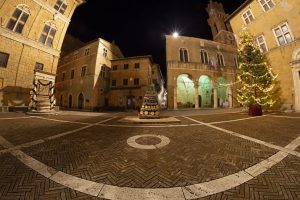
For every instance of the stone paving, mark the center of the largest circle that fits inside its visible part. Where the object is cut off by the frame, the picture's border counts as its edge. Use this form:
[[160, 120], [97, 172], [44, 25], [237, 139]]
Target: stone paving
[[74, 156]]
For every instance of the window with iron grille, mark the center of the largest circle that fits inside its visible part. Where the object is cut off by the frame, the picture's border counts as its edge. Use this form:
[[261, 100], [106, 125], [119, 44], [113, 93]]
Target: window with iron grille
[[3, 59], [113, 82], [136, 81], [83, 71], [39, 66], [125, 81], [72, 74]]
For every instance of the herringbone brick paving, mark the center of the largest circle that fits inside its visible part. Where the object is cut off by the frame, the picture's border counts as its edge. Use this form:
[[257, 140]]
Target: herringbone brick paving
[[26, 130], [17, 182], [280, 182], [101, 154], [279, 131]]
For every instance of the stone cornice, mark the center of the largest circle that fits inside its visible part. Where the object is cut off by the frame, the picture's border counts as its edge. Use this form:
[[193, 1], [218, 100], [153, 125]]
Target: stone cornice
[[20, 38], [54, 12]]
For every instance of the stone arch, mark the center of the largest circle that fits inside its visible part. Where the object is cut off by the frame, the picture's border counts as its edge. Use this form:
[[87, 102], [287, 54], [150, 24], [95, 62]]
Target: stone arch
[[185, 91], [205, 90], [80, 101]]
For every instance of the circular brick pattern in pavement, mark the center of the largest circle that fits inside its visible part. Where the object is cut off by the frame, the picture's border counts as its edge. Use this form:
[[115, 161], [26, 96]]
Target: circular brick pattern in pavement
[[148, 141]]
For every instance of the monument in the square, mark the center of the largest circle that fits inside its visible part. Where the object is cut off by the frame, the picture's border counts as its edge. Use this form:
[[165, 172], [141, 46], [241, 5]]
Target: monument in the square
[[150, 106]]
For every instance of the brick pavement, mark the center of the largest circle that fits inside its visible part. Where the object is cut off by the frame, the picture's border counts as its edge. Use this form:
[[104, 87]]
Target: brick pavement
[[195, 154], [101, 154]]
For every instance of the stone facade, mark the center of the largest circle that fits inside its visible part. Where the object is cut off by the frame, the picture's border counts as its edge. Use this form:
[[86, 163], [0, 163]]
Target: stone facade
[[84, 74], [27, 44], [130, 79], [275, 25], [202, 73]]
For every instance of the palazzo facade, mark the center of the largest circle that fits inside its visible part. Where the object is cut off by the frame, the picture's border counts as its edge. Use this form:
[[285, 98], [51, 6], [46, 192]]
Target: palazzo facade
[[202, 73]]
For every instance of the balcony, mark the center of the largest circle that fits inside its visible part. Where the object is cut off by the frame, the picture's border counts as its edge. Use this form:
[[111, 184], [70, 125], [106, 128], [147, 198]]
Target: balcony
[[199, 66]]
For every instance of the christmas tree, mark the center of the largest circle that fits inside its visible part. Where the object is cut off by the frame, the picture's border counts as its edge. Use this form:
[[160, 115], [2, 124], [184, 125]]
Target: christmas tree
[[258, 83]]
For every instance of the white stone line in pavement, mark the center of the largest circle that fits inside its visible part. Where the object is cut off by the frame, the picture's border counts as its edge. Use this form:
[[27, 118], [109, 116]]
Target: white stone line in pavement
[[149, 126], [235, 120], [64, 121], [29, 144], [126, 193], [132, 141], [15, 118], [288, 117], [248, 138]]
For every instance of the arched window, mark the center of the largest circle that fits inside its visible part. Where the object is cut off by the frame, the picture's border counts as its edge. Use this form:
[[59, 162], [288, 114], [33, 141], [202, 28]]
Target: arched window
[[80, 101], [18, 19], [204, 57], [184, 57], [61, 6], [48, 34], [220, 59]]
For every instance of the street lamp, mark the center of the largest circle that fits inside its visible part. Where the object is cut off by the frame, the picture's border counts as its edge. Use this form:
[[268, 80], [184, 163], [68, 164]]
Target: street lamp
[[175, 34]]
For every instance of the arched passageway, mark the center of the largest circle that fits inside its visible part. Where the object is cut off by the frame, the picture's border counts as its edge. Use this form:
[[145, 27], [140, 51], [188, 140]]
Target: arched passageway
[[205, 91], [185, 91], [80, 101]]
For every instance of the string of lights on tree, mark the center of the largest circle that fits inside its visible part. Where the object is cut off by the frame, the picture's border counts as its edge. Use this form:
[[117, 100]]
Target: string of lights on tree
[[255, 74]]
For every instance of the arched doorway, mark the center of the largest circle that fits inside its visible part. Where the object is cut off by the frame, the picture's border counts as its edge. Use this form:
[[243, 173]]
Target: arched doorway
[[70, 101], [222, 92], [185, 91], [80, 101], [205, 91]]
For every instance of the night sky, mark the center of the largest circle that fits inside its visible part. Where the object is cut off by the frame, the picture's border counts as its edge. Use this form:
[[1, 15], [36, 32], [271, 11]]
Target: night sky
[[138, 27]]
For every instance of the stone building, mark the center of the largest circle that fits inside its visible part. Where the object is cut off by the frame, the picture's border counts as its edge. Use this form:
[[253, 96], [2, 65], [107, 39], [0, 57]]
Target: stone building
[[201, 73], [83, 75], [275, 25], [130, 78], [31, 35]]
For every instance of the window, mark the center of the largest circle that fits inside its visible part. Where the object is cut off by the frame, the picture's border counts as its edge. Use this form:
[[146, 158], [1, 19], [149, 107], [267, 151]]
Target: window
[[83, 71], [126, 66], [87, 51], [184, 57], [63, 76], [220, 60], [136, 65], [266, 4], [39, 66], [136, 81], [75, 55], [283, 34], [3, 59], [102, 72], [60, 6], [204, 57], [125, 81], [248, 17], [115, 67], [72, 74], [113, 82], [18, 19], [262, 43], [48, 34], [104, 52]]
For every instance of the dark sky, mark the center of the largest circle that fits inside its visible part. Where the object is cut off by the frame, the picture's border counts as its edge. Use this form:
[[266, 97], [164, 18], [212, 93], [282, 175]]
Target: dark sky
[[139, 26]]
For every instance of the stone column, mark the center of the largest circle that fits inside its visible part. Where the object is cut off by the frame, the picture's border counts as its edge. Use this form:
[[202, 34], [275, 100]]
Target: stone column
[[175, 97], [196, 96], [230, 98], [215, 97]]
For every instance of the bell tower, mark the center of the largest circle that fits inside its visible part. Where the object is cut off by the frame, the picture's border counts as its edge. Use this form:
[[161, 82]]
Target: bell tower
[[221, 30]]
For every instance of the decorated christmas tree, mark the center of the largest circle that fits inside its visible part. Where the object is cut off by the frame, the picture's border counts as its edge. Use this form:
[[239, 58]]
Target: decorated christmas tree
[[258, 83]]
